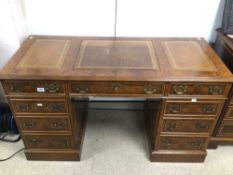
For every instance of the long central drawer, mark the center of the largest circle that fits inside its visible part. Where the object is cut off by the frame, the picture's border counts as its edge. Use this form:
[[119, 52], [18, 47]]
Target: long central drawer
[[150, 88]]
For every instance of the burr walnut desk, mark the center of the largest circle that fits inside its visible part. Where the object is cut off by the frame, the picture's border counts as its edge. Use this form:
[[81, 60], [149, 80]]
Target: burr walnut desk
[[47, 74]]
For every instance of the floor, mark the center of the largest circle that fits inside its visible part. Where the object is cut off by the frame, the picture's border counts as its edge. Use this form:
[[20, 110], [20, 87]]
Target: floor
[[115, 144]]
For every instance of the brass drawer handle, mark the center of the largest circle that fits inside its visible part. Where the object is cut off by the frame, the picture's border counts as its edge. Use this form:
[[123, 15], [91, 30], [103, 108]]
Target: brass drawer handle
[[149, 89], [202, 126], [116, 86], [29, 125], [61, 142], [17, 88], [208, 108], [174, 108], [57, 107], [171, 126], [23, 107], [196, 144], [167, 142], [52, 87], [34, 141], [216, 90], [180, 89], [58, 125], [82, 89]]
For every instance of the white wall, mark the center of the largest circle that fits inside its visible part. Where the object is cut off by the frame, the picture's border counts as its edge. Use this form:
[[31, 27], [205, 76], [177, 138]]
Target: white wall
[[135, 17], [12, 29], [12, 32]]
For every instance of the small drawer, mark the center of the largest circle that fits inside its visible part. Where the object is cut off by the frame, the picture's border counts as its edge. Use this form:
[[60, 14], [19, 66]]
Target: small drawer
[[37, 87], [188, 125], [117, 88], [229, 113], [42, 106], [198, 89], [44, 123], [182, 143], [226, 129], [48, 141], [211, 108]]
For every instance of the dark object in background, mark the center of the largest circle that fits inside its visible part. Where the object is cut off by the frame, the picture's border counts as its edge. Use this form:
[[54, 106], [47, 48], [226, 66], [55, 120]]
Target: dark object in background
[[7, 122], [223, 132], [228, 17]]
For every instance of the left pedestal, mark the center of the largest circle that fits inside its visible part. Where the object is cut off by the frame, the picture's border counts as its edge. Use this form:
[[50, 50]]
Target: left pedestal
[[51, 127]]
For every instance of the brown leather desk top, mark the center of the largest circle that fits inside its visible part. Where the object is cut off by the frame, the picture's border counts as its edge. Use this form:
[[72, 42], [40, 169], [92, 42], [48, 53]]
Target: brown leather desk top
[[123, 59]]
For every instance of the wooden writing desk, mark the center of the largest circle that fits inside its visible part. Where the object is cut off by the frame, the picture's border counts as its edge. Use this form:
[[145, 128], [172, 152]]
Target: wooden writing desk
[[46, 73]]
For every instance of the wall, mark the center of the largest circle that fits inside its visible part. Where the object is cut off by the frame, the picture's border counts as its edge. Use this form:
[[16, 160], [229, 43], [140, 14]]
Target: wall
[[12, 31], [135, 17]]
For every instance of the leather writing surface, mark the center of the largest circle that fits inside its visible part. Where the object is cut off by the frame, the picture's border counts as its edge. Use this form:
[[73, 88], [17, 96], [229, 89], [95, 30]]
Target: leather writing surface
[[116, 54], [45, 54], [187, 55]]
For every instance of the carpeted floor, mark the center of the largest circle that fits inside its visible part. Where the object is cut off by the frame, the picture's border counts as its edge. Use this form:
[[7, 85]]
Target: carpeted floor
[[115, 144]]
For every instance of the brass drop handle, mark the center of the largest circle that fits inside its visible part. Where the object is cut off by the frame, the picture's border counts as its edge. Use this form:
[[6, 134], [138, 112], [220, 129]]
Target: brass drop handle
[[216, 90], [202, 126], [29, 125], [149, 89], [57, 107], [174, 108], [58, 125], [167, 142], [16, 88], [52, 87], [171, 126], [34, 141], [61, 142], [208, 108], [23, 107], [196, 144], [82, 89], [180, 89], [116, 86]]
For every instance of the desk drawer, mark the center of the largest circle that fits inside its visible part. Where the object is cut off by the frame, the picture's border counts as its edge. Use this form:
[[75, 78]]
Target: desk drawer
[[199, 89], [48, 141], [42, 106], [117, 88], [182, 143], [229, 113], [211, 108], [226, 128], [44, 123], [188, 125], [38, 87]]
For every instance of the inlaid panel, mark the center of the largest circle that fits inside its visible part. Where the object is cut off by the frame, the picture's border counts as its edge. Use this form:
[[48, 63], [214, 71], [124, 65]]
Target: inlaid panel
[[116, 54], [187, 55], [45, 53]]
